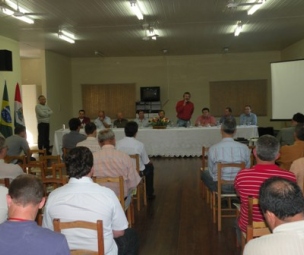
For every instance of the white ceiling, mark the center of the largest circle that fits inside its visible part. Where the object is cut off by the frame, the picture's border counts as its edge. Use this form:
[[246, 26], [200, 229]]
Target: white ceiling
[[185, 27]]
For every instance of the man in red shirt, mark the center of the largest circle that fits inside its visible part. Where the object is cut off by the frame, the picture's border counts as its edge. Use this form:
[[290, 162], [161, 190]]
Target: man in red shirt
[[248, 181], [184, 110]]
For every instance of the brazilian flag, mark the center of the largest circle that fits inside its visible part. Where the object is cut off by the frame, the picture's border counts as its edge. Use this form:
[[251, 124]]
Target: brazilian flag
[[6, 125]]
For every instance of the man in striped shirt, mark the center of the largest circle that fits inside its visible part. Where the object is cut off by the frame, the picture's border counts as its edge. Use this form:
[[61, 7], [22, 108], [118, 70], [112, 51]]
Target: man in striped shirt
[[248, 181]]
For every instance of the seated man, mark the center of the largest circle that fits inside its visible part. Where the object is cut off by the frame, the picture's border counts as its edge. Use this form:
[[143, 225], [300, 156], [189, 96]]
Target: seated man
[[206, 119], [130, 146], [161, 114], [91, 142], [7, 170], [70, 140], [17, 143], [286, 135], [109, 162], [20, 234], [248, 118], [282, 204], [289, 153], [83, 119], [142, 121], [226, 151], [227, 115], [266, 152], [82, 199], [102, 121], [120, 122]]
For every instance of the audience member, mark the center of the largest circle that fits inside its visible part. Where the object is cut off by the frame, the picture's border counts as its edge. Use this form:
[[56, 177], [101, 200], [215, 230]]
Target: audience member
[[282, 204], [70, 140], [102, 121], [20, 234], [226, 151], [43, 114], [91, 142], [141, 120], [297, 167], [82, 199], [109, 162], [17, 143], [7, 170], [248, 181], [248, 118], [3, 204], [286, 135], [205, 119], [120, 122], [227, 115], [184, 109], [289, 153], [130, 146], [83, 119]]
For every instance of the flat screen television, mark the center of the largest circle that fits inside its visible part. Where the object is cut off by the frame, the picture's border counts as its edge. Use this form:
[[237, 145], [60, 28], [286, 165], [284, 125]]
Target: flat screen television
[[149, 94]]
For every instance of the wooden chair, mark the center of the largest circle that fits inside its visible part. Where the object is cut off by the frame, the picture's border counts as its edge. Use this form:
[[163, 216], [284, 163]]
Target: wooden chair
[[35, 167], [65, 152], [21, 161], [121, 197], [5, 182], [204, 190], [49, 160], [58, 226], [141, 187], [218, 196], [36, 153], [252, 158]]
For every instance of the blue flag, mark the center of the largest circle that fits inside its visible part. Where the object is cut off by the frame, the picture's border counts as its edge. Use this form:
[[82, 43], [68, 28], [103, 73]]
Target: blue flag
[[6, 125]]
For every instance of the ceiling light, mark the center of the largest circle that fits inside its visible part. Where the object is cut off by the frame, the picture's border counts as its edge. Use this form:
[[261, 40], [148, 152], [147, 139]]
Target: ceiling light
[[66, 36], [136, 9], [22, 18], [238, 28], [255, 7]]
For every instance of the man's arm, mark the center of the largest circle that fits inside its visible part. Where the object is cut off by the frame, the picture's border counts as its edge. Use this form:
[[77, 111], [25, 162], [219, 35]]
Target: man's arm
[[106, 122], [40, 112], [254, 120], [118, 233], [180, 106]]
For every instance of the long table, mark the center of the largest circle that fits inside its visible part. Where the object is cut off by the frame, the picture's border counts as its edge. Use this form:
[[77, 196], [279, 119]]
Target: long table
[[171, 142]]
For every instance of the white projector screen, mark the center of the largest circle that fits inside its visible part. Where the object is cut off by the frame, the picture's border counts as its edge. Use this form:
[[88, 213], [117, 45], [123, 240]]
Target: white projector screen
[[287, 80]]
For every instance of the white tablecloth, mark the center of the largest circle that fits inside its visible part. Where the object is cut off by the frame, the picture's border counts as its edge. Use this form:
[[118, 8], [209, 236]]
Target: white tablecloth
[[171, 142]]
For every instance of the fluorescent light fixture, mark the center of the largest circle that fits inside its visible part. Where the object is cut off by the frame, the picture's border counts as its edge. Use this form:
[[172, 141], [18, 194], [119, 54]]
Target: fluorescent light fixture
[[238, 28], [68, 34], [136, 10], [23, 18], [255, 7], [64, 37]]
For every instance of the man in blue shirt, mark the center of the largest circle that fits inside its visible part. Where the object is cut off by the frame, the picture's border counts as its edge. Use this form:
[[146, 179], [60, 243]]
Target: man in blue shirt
[[248, 118]]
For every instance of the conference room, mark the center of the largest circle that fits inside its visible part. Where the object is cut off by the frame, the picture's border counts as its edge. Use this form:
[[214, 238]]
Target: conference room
[[114, 55]]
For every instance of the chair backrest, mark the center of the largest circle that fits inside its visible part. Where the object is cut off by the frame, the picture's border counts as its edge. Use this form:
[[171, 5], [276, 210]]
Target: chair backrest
[[58, 226], [255, 228], [5, 182], [65, 152], [21, 160], [119, 180], [136, 158], [36, 153], [204, 157], [54, 177], [35, 167], [50, 159]]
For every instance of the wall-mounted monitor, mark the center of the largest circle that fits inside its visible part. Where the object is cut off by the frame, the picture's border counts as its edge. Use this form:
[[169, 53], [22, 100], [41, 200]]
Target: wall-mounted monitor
[[149, 94]]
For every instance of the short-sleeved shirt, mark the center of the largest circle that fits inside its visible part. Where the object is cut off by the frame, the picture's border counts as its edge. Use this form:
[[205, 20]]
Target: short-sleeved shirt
[[16, 144], [99, 123], [70, 140]]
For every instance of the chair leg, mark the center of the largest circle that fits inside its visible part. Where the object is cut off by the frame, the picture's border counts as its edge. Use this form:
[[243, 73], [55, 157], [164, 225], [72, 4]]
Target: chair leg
[[219, 213], [145, 193], [213, 207], [138, 198]]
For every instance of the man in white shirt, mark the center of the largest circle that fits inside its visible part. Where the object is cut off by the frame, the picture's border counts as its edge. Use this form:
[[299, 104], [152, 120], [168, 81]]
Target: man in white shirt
[[130, 146], [142, 121], [91, 142], [3, 204], [82, 199], [7, 170], [282, 204], [102, 121]]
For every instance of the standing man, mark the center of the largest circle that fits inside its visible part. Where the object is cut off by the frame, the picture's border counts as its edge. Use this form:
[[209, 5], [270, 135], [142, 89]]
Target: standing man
[[184, 110], [248, 118], [102, 121], [282, 204], [43, 114], [83, 119]]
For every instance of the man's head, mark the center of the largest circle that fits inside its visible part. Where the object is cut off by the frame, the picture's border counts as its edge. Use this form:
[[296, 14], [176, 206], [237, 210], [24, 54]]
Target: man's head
[[267, 148], [81, 114], [205, 112], [90, 128], [299, 132], [131, 129], [228, 127], [161, 114], [101, 115], [227, 111], [79, 162], [20, 130], [74, 124], [106, 136], [3, 147], [25, 191], [42, 99], [119, 116], [247, 109], [297, 118], [280, 200], [141, 114], [187, 96]]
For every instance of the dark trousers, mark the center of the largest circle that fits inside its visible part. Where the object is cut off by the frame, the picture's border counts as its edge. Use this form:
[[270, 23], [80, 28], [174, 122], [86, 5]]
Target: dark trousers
[[128, 243], [43, 136], [149, 174]]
